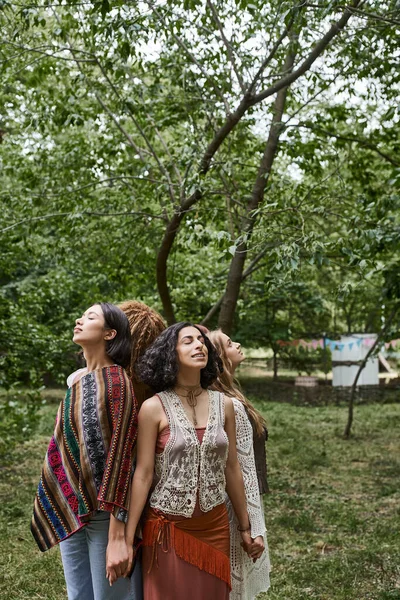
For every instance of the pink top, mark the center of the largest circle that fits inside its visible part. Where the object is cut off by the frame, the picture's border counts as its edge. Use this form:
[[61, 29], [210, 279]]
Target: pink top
[[164, 434]]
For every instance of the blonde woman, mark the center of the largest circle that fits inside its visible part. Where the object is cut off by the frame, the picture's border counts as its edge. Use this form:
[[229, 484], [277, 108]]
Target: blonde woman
[[249, 578]]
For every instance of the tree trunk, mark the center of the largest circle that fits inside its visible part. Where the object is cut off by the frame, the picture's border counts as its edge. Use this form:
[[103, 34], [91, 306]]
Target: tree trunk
[[275, 363], [246, 227], [163, 254], [381, 334]]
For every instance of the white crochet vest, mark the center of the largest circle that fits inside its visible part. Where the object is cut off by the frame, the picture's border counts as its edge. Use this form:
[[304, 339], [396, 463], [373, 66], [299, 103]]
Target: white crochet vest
[[187, 467]]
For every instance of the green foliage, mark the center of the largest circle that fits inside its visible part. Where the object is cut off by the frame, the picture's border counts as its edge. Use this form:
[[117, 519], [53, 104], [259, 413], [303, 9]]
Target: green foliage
[[108, 111], [305, 361], [19, 417]]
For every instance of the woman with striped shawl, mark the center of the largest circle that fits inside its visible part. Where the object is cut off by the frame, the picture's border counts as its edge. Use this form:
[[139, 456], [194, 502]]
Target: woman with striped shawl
[[83, 493]]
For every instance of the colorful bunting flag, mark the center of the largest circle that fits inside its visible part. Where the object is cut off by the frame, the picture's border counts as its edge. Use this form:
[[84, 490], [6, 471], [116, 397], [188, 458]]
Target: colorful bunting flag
[[335, 344]]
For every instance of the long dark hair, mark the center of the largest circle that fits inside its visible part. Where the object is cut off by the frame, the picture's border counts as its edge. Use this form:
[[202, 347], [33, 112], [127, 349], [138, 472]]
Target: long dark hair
[[120, 347], [158, 367]]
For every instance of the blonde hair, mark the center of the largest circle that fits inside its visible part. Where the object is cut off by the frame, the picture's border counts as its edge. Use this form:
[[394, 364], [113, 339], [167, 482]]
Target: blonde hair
[[146, 325], [228, 385]]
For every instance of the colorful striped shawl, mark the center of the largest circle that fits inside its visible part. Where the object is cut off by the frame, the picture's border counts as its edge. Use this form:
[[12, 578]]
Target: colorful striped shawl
[[88, 462]]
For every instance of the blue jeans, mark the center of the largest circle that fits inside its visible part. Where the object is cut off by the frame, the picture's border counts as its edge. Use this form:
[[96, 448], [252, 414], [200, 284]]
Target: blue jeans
[[84, 561]]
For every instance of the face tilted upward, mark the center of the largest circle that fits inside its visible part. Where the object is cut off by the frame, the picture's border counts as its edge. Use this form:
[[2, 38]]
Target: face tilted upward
[[232, 350], [191, 350], [90, 329]]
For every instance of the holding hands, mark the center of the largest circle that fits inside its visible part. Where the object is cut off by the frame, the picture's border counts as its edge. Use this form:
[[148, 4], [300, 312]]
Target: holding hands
[[257, 548], [253, 547], [118, 558]]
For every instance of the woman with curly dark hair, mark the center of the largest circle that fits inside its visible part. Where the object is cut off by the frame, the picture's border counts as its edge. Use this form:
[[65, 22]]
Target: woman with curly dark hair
[[186, 458]]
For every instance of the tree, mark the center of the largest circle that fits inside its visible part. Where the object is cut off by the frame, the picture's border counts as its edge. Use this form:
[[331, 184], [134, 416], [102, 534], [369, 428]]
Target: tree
[[140, 133]]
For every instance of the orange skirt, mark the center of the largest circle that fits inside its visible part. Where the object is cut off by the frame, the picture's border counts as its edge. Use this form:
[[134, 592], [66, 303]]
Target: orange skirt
[[177, 551]]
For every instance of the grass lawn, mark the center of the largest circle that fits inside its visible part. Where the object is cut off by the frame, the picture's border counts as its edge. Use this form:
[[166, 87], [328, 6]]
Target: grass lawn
[[333, 516]]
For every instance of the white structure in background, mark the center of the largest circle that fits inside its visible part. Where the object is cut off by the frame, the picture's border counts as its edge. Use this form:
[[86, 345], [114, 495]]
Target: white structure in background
[[354, 348]]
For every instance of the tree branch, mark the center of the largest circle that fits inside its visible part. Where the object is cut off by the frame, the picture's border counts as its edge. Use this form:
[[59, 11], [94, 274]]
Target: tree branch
[[325, 86], [49, 55], [380, 335], [249, 100], [374, 16], [319, 48], [255, 263], [140, 129], [235, 275], [139, 150], [166, 149], [155, 155], [231, 121], [271, 55], [88, 213], [348, 138], [253, 266], [95, 183], [213, 311], [228, 46], [164, 251], [122, 129], [192, 58]]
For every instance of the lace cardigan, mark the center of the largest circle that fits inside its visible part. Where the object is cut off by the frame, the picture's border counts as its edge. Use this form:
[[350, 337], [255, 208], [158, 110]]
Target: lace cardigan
[[248, 578]]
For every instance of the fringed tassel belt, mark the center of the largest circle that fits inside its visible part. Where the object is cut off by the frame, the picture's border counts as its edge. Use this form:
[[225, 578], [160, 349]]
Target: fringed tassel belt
[[200, 541]]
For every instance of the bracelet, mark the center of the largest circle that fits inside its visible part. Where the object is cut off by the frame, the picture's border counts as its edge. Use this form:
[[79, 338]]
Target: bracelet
[[244, 530]]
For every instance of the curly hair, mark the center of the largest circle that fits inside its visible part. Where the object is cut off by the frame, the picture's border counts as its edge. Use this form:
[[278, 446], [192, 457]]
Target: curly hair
[[227, 384], [159, 366], [146, 325]]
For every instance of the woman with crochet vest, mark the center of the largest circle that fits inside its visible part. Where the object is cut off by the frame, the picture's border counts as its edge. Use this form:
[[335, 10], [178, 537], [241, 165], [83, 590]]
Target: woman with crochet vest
[[248, 578], [186, 458]]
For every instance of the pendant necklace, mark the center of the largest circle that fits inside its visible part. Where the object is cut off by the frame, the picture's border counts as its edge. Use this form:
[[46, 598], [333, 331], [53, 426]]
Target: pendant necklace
[[192, 392]]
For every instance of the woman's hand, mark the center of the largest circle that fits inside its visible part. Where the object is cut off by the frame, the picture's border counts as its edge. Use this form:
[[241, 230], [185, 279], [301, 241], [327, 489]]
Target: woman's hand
[[253, 547], [257, 548], [246, 542], [131, 557], [117, 559]]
